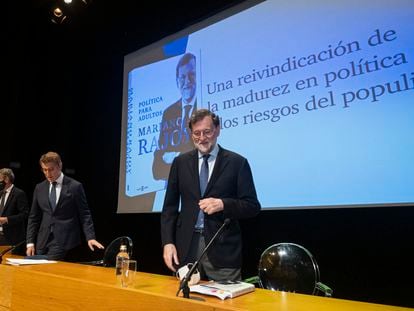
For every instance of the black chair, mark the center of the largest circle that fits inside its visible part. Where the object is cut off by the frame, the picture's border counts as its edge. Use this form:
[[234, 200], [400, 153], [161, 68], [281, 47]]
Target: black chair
[[109, 257], [292, 268]]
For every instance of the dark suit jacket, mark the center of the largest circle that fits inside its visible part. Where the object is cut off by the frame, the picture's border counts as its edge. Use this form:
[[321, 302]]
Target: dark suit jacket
[[172, 138], [16, 211], [231, 181], [71, 214]]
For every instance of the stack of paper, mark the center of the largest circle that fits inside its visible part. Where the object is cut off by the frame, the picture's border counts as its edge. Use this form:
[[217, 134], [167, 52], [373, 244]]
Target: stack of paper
[[19, 262]]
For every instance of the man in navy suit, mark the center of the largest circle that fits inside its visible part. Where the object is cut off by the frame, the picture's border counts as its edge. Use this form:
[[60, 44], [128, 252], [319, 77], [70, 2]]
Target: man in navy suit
[[59, 212], [14, 209], [229, 193], [174, 133]]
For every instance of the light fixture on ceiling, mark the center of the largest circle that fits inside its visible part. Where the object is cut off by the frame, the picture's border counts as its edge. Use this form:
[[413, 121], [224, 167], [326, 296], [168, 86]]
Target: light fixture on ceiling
[[57, 16], [68, 11]]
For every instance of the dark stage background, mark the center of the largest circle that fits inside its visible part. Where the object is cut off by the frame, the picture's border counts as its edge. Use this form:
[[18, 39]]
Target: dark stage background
[[63, 92]]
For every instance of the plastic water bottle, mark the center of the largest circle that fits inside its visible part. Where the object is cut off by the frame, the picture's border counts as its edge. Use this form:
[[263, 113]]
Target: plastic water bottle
[[120, 257]]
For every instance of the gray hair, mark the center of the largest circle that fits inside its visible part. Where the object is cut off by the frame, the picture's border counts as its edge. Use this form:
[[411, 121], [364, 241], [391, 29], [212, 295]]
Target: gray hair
[[8, 173]]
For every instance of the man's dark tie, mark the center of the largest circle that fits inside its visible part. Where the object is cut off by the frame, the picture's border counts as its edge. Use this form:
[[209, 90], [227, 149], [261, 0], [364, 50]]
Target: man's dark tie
[[185, 128], [203, 186], [52, 196], [3, 199]]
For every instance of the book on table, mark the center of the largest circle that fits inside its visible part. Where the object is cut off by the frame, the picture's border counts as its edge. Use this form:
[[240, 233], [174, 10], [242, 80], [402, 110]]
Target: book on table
[[223, 289]]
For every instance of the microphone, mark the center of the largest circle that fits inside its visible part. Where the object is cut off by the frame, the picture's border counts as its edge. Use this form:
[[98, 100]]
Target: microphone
[[184, 282], [9, 249]]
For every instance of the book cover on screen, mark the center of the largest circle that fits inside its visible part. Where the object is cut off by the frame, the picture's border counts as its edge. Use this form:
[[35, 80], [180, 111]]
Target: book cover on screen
[[223, 290]]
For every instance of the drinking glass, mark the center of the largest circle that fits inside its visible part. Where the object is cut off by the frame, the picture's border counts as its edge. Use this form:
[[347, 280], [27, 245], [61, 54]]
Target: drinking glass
[[128, 271]]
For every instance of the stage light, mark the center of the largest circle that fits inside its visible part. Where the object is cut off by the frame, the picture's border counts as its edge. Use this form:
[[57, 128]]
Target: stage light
[[68, 11], [57, 12], [57, 16]]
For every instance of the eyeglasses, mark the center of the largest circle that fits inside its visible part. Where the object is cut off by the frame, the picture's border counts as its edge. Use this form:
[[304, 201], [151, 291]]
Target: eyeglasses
[[206, 133], [190, 76]]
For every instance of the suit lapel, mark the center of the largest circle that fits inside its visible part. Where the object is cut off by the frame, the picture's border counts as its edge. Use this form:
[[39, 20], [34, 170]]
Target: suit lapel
[[63, 192], [9, 199], [193, 168], [44, 194], [221, 163]]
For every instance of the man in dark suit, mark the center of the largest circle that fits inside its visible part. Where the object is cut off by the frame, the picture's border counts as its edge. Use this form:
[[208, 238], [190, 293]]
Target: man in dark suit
[[229, 193], [174, 133], [59, 211], [13, 212]]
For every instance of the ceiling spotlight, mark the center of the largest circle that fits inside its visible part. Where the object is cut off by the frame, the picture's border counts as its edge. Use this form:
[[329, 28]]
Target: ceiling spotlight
[[67, 1], [58, 17], [57, 12]]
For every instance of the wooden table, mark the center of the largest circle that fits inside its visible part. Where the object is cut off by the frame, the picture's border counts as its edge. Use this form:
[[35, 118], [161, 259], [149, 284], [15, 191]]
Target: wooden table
[[4, 247], [68, 286]]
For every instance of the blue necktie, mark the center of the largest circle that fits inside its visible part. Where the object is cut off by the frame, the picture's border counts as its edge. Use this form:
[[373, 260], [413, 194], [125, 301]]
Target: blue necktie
[[203, 186], [52, 196]]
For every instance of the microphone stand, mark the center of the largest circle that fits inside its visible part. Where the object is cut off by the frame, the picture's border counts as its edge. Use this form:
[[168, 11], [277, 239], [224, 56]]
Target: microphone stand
[[11, 248], [184, 282]]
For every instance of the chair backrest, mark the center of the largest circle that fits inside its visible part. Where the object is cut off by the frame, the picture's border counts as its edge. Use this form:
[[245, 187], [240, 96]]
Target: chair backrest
[[109, 259], [289, 267]]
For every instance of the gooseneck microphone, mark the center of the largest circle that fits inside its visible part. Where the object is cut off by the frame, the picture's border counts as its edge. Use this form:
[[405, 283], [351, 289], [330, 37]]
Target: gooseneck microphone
[[184, 282], [10, 249]]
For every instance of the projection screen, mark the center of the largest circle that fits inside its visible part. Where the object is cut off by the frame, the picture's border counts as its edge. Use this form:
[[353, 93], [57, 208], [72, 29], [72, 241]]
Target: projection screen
[[317, 95]]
